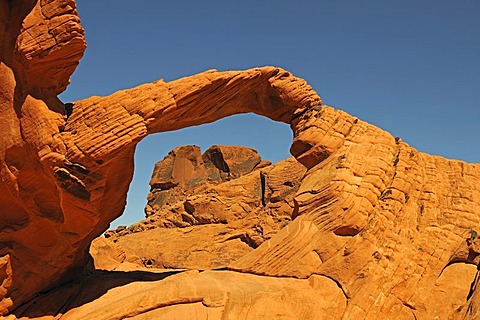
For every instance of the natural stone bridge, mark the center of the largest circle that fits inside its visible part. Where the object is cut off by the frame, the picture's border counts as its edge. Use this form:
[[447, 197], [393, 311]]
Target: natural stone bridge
[[382, 230]]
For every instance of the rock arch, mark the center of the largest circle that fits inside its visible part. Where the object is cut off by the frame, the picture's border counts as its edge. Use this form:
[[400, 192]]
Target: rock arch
[[376, 218], [66, 168]]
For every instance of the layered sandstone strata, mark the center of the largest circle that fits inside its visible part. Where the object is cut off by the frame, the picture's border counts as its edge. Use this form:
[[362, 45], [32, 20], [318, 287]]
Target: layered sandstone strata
[[382, 230], [66, 169]]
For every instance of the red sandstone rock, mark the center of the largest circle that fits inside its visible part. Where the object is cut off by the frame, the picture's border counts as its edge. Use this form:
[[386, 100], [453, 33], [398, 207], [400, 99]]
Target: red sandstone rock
[[65, 178], [222, 185], [221, 205], [186, 171], [192, 295], [382, 231], [40, 45]]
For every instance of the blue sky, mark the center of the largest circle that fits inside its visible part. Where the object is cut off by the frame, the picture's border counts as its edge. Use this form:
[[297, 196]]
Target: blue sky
[[409, 67]]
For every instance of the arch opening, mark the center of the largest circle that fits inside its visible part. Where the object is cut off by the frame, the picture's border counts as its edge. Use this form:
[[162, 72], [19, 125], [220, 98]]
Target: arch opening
[[271, 139], [232, 210]]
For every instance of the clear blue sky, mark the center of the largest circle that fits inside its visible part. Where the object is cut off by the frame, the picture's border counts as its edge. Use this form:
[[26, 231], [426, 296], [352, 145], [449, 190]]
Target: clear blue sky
[[409, 67]]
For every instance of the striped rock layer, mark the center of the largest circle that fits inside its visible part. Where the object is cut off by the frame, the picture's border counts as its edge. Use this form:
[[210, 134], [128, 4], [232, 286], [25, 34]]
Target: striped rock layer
[[381, 230]]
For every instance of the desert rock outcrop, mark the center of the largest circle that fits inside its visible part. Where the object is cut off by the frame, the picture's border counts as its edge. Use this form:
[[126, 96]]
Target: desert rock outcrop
[[209, 210], [66, 169], [382, 231]]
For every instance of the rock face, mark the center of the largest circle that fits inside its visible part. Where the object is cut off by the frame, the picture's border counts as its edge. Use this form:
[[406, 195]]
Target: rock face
[[41, 43], [65, 170], [210, 210], [193, 295], [382, 231], [186, 172]]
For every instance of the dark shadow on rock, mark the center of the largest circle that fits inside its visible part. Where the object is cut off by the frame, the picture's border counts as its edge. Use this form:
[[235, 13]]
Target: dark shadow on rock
[[82, 290]]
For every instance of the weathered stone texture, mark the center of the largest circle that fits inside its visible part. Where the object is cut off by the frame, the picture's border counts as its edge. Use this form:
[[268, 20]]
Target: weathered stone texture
[[209, 210], [380, 230]]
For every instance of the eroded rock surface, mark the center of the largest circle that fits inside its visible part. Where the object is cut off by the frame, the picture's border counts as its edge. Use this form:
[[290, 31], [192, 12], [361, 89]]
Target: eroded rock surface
[[382, 231], [193, 295], [66, 169], [209, 210], [185, 172]]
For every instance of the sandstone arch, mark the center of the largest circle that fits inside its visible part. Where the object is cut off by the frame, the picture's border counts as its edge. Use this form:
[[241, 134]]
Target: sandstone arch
[[59, 169], [377, 220]]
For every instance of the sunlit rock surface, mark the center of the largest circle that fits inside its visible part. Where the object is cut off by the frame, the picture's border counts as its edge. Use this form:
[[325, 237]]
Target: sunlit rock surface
[[380, 230], [207, 211]]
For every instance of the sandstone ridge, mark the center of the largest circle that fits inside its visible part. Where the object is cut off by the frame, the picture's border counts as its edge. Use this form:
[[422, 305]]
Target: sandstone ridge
[[379, 230]]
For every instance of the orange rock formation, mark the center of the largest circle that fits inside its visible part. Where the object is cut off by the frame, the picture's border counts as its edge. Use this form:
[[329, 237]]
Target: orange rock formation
[[227, 197], [382, 231]]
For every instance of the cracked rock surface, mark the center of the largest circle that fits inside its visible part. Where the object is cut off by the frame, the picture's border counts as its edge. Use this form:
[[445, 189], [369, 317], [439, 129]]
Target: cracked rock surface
[[379, 230]]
